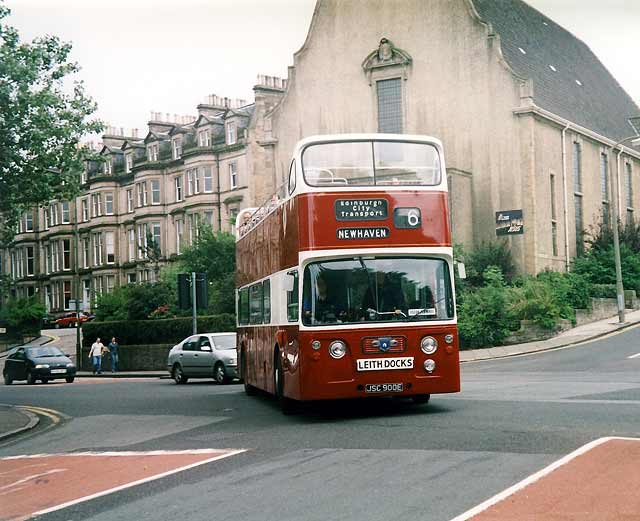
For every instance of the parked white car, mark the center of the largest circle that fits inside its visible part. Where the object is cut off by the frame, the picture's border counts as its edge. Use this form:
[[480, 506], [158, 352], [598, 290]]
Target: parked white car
[[206, 355]]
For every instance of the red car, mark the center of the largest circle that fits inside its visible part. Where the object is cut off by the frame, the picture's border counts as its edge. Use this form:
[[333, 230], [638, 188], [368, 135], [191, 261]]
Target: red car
[[69, 320]]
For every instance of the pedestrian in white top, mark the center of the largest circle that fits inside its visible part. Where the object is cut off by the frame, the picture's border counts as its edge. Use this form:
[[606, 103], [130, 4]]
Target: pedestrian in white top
[[96, 355]]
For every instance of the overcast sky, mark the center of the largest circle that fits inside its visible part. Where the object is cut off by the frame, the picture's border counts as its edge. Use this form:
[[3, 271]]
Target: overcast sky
[[139, 56]]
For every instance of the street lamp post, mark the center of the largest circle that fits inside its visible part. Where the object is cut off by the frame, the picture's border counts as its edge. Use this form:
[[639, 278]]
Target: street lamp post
[[635, 124]]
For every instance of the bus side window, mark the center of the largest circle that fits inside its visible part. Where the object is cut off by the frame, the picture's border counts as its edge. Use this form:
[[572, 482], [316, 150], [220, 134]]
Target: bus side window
[[243, 306], [266, 301], [292, 177], [292, 298], [255, 304]]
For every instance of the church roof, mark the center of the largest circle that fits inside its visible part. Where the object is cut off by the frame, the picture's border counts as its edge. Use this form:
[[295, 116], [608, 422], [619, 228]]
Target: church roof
[[568, 79]]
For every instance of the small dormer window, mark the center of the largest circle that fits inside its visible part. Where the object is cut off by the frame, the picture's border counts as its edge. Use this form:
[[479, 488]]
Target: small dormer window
[[128, 162], [83, 176], [177, 148], [204, 138], [152, 152], [108, 166], [231, 133]]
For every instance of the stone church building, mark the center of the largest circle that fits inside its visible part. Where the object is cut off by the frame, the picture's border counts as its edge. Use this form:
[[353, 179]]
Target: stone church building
[[527, 113]]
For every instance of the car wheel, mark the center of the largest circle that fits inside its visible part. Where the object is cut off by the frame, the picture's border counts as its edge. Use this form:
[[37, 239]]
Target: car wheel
[[45, 380], [287, 405], [31, 378], [421, 398], [56, 325], [7, 379], [179, 376], [219, 374], [70, 379]]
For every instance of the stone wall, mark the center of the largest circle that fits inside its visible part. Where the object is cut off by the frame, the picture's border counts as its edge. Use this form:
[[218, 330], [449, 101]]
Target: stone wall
[[600, 308], [133, 358]]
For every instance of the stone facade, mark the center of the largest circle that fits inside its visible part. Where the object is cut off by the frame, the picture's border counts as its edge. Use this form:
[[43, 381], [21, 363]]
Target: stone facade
[[526, 113], [184, 173], [504, 150]]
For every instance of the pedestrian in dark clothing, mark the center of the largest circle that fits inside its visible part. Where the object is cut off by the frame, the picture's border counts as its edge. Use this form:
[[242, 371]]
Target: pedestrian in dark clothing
[[114, 348]]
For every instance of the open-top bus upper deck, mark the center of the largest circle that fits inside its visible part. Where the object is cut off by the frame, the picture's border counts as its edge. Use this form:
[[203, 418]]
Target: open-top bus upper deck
[[357, 190]]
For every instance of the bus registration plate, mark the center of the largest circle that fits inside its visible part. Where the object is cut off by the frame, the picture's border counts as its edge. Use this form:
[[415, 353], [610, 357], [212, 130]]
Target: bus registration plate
[[384, 364], [383, 388]]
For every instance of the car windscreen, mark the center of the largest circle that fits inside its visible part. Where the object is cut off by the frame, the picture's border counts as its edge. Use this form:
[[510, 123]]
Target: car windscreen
[[371, 163], [376, 289], [225, 341], [42, 352]]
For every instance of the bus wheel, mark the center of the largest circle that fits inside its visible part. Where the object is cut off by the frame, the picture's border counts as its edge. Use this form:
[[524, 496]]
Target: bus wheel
[[287, 405], [421, 398]]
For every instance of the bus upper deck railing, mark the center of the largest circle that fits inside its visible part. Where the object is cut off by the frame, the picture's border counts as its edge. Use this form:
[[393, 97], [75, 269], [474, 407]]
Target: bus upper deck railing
[[249, 218]]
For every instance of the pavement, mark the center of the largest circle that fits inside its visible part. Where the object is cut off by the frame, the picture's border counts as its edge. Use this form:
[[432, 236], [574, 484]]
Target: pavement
[[14, 420]]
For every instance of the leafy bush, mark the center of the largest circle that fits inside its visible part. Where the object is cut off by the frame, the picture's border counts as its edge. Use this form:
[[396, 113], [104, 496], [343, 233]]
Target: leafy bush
[[484, 315], [603, 291], [535, 300], [164, 331], [135, 302], [597, 267], [22, 316], [600, 237], [489, 254], [570, 288]]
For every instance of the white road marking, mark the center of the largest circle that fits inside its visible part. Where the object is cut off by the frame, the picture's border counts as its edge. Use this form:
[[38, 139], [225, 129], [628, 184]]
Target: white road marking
[[535, 477], [32, 477], [637, 355], [122, 453], [22, 468], [140, 481]]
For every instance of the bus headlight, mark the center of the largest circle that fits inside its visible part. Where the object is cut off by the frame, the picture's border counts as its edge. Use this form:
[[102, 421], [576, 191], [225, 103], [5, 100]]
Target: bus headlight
[[337, 349], [316, 344], [429, 345], [448, 338], [429, 365]]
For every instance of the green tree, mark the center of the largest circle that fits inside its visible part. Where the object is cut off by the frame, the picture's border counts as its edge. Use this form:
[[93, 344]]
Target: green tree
[[215, 255], [41, 124], [23, 315]]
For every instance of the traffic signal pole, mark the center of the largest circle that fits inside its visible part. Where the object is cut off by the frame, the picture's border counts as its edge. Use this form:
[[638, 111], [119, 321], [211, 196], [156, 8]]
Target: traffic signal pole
[[194, 304]]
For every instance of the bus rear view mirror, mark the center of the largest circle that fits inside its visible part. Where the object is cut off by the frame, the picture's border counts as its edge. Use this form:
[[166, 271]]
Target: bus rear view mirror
[[462, 272]]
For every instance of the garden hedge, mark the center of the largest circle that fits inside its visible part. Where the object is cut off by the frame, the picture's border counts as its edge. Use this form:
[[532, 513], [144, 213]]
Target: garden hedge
[[164, 331]]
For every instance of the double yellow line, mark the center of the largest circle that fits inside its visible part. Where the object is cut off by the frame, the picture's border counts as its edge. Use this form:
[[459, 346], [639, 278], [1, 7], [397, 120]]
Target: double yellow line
[[55, 416]]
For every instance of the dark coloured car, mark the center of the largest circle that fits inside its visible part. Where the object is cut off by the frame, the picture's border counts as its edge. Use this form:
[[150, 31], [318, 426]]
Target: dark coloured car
[[33, 363]]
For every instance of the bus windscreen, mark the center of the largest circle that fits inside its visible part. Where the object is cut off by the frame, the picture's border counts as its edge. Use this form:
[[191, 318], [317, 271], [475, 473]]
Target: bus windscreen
[[371, 163], [376, 289]]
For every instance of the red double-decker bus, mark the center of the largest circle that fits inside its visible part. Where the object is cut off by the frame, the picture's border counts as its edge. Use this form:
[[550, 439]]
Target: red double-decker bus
[[345, 285]]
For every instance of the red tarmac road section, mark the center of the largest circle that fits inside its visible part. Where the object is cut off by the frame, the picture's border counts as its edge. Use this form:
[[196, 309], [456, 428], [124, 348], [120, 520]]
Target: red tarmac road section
[[35, 485], [598, 482]]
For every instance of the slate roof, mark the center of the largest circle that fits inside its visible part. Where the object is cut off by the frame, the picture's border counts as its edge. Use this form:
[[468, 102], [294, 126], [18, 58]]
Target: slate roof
[[600, 104]]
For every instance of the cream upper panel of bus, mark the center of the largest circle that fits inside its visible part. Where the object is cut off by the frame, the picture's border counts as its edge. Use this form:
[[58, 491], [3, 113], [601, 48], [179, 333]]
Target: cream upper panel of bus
[[362, 162]]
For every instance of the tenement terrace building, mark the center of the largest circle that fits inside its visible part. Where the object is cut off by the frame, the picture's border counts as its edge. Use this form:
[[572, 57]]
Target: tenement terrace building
[[157, 189]]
